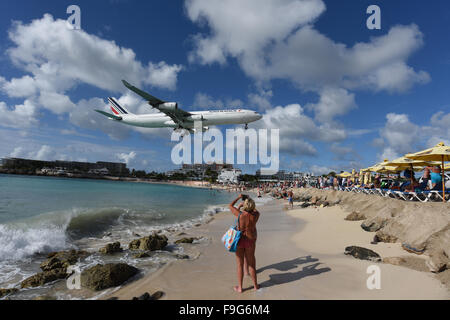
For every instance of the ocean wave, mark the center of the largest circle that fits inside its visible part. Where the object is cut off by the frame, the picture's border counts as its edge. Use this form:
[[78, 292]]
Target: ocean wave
[[17, 244]]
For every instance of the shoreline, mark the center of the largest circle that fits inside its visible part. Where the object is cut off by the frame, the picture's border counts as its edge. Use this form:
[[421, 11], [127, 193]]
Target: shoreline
[[300, 255], [185, 183]]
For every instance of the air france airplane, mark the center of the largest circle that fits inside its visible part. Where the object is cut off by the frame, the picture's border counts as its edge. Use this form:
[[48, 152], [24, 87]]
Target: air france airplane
[[170, 116]]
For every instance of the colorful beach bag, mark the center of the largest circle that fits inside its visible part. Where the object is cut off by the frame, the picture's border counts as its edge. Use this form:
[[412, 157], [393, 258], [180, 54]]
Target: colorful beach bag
[[231, 238]]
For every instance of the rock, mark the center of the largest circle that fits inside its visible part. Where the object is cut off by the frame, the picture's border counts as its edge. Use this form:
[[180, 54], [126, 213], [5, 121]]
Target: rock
[[157, 295], [145, 296], [150, 243], [436, 266], [181, 234], [197, 225], [113, 298], [105, 276], [396, 261], [305, 205], [362, 253], [185, 240], [355, 216], [383, 237], [111, 248], [141, 255], [182, 256], [44, 277], [306, 198], [372, 226], [62, 259], [136, 234], [314, 200], [7, 292]]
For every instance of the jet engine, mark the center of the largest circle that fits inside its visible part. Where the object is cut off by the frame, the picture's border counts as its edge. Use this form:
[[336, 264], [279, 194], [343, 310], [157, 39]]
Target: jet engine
[[168, 106]]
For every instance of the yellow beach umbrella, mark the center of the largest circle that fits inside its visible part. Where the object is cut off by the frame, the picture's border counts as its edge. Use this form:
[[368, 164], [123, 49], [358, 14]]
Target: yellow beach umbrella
[[344, 174], [405, 163], [440, 152]]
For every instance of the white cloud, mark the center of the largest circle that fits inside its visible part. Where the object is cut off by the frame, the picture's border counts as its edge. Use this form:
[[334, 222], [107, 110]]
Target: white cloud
[[238, 28], [275, 39], [126, 157], [18, 152], [333, 102], [19, 116], [400, 136], [56, 102], [296, 129], [44, 153]]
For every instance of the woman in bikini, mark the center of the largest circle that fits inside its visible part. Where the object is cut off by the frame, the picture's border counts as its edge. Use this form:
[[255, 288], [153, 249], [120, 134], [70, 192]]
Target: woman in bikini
[[246, 247]]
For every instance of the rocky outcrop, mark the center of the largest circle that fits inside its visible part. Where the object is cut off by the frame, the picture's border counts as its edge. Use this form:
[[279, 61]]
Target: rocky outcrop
[[146, 296], [186, 240], [42, 278], [382, 236], [62, 259], [7, 292], [106, 276], [373, 225], [111, 248], [150, 243], [141, 255], [362, 253], [355, 216], [54, 268]]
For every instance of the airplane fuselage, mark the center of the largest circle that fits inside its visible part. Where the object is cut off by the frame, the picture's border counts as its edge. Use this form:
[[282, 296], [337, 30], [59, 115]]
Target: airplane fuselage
[[208, 118]]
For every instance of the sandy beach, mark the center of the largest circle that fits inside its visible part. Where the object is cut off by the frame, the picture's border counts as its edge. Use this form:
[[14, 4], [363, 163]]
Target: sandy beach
[[300, 255]]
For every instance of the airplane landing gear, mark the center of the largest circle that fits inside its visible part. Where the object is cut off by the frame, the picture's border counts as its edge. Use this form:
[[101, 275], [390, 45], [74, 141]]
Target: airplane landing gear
[[246, 126]]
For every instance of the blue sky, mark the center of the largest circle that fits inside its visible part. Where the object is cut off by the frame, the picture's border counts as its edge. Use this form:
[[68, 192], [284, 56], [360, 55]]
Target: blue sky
[[345, 96]]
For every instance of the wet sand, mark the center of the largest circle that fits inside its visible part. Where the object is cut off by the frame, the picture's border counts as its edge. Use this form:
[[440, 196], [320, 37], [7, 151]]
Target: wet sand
[[300, 255]]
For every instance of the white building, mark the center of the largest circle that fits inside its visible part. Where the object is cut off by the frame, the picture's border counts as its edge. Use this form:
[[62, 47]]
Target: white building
[[229, 176]]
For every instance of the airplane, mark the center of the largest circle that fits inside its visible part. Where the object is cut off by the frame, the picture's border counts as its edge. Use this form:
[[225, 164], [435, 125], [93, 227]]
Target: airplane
[[170, 116]]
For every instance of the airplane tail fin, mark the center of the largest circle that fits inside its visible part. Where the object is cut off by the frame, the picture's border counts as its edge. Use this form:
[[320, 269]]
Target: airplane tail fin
[[117, 109]]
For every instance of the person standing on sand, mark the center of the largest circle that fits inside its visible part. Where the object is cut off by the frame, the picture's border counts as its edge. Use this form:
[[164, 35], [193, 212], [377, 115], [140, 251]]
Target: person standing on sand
[[291, 199], [245, 252]]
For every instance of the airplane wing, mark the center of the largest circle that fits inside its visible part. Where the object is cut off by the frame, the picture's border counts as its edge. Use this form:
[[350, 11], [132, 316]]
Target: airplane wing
[[109, 115], [153, 101], [177, 115]]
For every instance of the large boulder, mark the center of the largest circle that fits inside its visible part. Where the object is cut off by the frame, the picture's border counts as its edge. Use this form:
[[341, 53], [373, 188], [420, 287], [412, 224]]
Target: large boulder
[[150, 243], [362, 253], [355, 216], [106, 276], [382, 236], [111, 248], [373, 225], [7, 292], [42, 278], [62, 259]]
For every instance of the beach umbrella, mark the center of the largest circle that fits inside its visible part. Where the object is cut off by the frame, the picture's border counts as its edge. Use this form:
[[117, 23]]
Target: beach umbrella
[[344, 174], [440, 152], [404, 163]]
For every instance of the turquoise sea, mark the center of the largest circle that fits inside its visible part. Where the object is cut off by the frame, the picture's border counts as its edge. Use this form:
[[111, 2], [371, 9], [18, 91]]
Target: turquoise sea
[[44, 214]]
